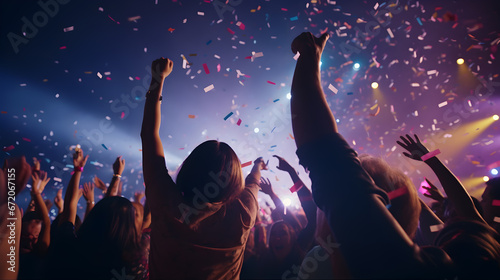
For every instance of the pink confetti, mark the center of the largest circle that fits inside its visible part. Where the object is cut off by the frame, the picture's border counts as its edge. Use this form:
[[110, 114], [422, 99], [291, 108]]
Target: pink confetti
[[218, 67], [396, 193], [230, 31], [9, 148], [62, 48], [239, 122], [205, 67], [26, 139], [123, 115], [271, 83], [246, 164]]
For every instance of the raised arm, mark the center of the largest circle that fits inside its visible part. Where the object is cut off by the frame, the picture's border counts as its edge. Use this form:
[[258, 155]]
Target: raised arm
[[341, 187], [73, 194], [153, 159], [40, 180], [88, 194], [267, 188], [114, 186], [455, 191], [306, 235], [312, 117]]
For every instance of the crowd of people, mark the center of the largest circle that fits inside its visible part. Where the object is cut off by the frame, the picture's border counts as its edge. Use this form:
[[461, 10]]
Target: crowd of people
[[361, 218]]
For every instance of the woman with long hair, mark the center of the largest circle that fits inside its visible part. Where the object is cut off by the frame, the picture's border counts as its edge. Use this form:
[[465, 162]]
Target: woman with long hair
[[201, 222]]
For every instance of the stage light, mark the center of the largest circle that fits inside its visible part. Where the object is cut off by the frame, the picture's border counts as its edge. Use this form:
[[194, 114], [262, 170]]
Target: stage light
[[496, 117], [289, 96], [256, 130], [486, 178], [460, 61], [374, 85], [320, 63], [287, 202], [494, 171], [356, 66]]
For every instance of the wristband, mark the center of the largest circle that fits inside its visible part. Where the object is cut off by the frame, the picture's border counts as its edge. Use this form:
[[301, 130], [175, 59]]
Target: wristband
[[430, 155], [117, 175], [91, 202], [79, 169], [296, 187]]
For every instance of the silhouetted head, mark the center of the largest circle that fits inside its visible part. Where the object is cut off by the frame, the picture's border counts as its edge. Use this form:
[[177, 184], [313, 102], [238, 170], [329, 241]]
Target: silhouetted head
[[405, 207], [110, 225], [212, 171], [473, 246]]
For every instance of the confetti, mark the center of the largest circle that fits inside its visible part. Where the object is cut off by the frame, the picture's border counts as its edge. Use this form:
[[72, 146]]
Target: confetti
[[228, 115], [269, 82], [495, 202], [209, 88], [191, 116], [397, 193], [68, 29], [239, 122], [442, 104], [333, 89], [9, 148], [248, 163], [57, 179], [276, 100], [104, 146], [436, 228], [205, 67]]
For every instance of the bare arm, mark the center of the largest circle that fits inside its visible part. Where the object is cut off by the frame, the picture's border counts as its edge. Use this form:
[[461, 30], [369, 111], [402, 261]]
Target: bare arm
[[155, 170], [118, 167], [312, 117], [453, 188], [40, 180], [88, 194], [73, 194]]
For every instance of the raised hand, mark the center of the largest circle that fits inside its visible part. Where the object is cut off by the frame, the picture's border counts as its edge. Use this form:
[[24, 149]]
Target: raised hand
[[433, 192], [309, 45], [40, 180], [162, 67], [36, 165], [138, 196], [79, 160], [416, 148], [22, 171], [260, 162], [265, 186], [118, 166], [100, 184], [59, 201], [284, 165], [88, 192]]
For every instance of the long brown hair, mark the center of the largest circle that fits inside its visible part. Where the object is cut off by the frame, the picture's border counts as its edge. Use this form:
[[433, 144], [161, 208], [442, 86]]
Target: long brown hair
[[212, 170]]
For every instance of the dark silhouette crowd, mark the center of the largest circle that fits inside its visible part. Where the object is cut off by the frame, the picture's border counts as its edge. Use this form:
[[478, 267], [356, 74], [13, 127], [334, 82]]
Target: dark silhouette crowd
[[361, 218]]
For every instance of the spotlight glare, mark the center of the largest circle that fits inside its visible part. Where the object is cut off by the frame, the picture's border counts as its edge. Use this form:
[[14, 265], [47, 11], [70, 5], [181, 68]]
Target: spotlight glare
[[289, 96], [460, 61], [287, 201], [496, 117], [356, 66], [256, 130], [494, 171], [374, 85], [486, 178]]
